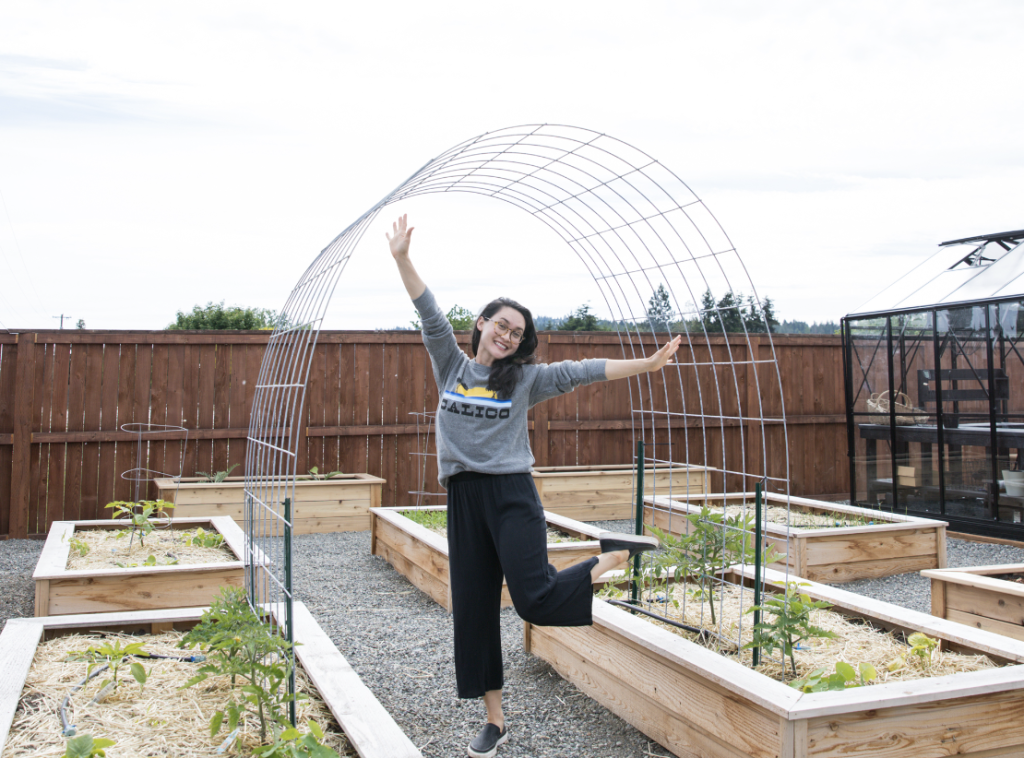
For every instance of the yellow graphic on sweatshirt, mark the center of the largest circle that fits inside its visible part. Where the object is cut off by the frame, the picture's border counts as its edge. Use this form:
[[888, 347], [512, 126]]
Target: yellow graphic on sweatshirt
[[477, 392]]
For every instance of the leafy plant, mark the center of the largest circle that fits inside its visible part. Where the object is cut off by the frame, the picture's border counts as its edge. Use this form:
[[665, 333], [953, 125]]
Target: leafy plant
[[240, 645], [429, 519], [714, 542], [202, 538], [315, 474], [845, 676], [291, 743], [791, 624], [138, 514], [114, 655], [87, 746], [922, 647], [218, 477]]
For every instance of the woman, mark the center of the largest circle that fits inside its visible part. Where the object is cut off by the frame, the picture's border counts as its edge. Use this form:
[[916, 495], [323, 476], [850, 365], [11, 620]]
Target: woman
[[496, 524]]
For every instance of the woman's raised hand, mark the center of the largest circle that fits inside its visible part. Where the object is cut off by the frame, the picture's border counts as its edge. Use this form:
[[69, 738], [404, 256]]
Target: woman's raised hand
[[400, 241], [662, 357]]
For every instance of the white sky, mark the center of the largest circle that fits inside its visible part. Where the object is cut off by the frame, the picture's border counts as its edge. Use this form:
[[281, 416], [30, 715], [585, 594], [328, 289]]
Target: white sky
[[154, 156]]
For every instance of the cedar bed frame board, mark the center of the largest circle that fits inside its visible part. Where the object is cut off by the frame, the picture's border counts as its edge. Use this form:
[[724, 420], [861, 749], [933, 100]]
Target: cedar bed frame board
[[341, 504], [973, 596], [603, 493], [368, 727], [698, 703], [421, 556], [898, 545], [61, 592]]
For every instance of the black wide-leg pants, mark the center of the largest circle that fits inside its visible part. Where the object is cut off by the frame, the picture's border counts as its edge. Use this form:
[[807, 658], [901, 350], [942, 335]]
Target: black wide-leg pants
[[496, 528]]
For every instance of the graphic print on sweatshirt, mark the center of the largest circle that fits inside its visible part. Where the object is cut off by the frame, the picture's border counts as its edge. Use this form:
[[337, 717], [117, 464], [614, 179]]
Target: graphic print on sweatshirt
[[479, 402]]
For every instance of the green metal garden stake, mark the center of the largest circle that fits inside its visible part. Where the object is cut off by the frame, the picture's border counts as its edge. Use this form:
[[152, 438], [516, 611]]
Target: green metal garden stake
[[757, 564], [290, 629], [635, 580]]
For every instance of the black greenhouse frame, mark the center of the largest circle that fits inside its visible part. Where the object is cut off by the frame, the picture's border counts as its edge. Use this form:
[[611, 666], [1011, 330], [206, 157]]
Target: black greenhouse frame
[[935, 408]]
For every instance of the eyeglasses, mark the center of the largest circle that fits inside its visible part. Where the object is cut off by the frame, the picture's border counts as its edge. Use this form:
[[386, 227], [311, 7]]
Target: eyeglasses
[[501, 329]]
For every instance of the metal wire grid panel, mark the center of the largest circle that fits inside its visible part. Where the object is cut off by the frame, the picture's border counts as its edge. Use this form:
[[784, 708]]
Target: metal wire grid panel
[[661, 262]]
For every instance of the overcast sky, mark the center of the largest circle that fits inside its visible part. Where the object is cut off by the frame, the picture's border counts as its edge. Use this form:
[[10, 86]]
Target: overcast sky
[[154, 156]]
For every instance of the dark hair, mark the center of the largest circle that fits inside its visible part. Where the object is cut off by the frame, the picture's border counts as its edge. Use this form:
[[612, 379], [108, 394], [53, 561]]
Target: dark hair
[[505, 372]]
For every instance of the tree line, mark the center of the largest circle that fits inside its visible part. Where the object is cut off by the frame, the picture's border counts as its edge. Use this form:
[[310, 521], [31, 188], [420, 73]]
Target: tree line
[[730, 313]]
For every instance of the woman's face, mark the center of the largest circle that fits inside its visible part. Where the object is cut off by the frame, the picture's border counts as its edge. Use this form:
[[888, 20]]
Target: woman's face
[[494, 344]]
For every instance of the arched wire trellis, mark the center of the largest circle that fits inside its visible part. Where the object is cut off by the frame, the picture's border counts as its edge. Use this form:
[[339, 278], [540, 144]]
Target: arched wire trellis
[[661, 262]]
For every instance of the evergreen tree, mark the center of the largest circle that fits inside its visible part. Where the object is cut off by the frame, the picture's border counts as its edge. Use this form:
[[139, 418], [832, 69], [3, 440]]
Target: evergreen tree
[[731, 312], [760, 320], [709, 316], [580, 320], [660, 312]]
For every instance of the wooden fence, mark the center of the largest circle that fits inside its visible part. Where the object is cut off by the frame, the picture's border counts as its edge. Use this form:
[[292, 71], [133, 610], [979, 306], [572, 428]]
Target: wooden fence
[[64, 396]]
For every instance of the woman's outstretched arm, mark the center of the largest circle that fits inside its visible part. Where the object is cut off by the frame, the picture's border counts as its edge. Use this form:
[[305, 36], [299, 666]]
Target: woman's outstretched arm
[[622, 369], [400, 250]]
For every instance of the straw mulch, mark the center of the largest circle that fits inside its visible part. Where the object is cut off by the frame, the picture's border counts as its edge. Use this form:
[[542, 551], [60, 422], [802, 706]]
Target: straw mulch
[[106, 550], [854, 642], [794, 517], [159, 720]]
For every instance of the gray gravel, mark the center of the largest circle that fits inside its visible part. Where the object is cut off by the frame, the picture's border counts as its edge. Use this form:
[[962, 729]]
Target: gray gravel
[[914, 591], [400, 643]]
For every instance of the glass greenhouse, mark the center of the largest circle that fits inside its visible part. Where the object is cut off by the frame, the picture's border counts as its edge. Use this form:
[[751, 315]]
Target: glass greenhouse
[[934, 377]]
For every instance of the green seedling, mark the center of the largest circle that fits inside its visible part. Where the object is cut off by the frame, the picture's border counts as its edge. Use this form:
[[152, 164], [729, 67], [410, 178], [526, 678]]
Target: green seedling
[[922, 647], [138, 514], [202, 538], [115, 655], [87, 746], [790, 625], [845, 676], [315, 474], [150, 561], [79, 546], [217, 477]]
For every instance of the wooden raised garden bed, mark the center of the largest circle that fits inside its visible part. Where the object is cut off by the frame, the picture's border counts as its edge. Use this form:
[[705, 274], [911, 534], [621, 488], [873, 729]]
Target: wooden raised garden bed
[[339, 504], [849, 543], [985, 597], [60, 591], [696, 702], [602, 493], [421, 555], [369, 729]]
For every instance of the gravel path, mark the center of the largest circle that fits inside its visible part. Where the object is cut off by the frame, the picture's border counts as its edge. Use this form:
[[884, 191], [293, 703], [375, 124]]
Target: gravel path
[[399, 641]]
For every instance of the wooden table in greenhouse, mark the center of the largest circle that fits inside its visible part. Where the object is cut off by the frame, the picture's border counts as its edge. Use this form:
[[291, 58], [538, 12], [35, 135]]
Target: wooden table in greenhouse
[[927, 435]]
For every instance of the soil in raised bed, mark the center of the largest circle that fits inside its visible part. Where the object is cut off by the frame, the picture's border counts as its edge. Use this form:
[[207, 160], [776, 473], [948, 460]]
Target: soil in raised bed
[[168, 546], [437, 522], [158, 720], [856, 641]]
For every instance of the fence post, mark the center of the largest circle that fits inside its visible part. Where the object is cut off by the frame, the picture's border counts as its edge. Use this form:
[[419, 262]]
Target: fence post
[[24, 396]]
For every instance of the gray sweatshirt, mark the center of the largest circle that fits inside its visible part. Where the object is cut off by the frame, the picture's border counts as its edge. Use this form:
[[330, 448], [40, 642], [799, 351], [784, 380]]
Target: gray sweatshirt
[[475, 430]]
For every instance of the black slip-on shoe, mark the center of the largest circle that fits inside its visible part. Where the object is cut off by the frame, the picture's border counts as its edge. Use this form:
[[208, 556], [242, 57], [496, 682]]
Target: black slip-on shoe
[[486, 743], [634, 543]]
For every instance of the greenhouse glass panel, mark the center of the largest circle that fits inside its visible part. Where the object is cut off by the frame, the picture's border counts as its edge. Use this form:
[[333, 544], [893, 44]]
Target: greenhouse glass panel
[[935, 399]]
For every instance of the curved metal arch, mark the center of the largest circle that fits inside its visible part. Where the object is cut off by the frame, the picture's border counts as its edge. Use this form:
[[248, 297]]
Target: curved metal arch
[[636, 227]]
